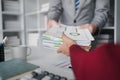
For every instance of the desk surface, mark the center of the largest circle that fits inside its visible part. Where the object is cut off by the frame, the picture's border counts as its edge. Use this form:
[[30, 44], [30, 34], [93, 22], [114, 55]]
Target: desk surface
[[45, 58]]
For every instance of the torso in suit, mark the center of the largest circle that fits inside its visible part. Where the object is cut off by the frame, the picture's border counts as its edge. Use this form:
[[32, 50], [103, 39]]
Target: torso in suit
[[90, 11]]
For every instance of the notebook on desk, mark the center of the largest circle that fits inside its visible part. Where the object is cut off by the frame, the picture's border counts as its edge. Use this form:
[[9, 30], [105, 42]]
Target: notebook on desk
[[14, 69]]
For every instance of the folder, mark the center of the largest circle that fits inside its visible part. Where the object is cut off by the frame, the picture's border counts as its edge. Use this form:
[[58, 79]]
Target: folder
[[15, 69]]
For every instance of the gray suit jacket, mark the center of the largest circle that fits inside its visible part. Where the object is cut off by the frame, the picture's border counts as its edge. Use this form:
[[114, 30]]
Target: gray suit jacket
[[90, 11]]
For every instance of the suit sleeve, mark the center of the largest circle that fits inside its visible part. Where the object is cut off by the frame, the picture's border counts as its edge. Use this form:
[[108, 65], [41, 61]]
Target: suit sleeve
[[55, 10], [101, 12]]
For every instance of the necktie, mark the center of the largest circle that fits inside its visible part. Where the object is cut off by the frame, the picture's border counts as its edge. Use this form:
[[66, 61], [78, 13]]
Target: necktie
[[77, 5]]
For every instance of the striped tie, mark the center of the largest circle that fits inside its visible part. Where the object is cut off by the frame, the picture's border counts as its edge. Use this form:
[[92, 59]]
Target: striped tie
[[77, 5]]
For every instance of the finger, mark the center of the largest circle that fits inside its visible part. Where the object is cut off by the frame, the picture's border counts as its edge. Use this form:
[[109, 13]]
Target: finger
[[48, 28], [65, 38], [59, 51]]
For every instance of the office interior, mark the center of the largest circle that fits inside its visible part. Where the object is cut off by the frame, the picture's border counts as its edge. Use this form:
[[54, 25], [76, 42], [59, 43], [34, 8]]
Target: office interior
[[24, 21]]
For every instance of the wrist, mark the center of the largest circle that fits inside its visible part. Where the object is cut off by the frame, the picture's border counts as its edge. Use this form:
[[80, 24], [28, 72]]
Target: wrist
[[71, 43], [52, 23], [93, 28]]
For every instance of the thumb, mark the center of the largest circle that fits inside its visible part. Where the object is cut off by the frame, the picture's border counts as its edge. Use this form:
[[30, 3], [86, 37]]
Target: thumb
[[59, 51]]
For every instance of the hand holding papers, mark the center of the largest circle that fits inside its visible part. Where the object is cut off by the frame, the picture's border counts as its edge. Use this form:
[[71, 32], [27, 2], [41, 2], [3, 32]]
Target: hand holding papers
[[52, 38]]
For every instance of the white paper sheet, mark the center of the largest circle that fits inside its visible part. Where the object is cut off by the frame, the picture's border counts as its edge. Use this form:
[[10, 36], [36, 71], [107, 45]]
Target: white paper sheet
[[78, 34]]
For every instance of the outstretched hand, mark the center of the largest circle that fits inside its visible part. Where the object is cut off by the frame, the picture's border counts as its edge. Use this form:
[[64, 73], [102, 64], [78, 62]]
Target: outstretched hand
[[67, 42]]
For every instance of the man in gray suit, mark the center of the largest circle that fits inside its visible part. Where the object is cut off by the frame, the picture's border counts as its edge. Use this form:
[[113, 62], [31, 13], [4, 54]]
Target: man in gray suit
[[92, 14]]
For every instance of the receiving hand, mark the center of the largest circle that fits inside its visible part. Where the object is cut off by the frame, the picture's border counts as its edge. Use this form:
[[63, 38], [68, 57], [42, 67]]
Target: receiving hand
[[67, 42], [52, 23]]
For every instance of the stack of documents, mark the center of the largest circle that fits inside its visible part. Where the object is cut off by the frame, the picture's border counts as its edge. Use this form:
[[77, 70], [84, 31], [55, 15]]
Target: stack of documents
[[13, 41], [82, 36], [51, 42], [11, 5], [79, 34], [12, 25], [52, 38], [45, 7]]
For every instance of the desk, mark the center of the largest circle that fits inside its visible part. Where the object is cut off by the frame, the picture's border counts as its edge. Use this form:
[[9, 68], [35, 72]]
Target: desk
[[44, 58]]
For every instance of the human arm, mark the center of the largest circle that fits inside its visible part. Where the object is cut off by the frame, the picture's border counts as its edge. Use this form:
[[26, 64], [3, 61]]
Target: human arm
[[67, 43], [54, 13], [91, 27], [64, 48], [100, 64], [100, 11], [52, 23]]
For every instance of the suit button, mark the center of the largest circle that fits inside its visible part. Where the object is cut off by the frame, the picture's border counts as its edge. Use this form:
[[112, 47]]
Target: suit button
[[74, 21]]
